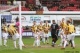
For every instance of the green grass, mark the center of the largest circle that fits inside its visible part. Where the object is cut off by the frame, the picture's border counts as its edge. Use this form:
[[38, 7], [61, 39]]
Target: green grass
[[44, 49]]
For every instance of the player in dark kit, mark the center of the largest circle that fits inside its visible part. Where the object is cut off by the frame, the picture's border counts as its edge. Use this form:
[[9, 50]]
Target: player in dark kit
[[54, 29]]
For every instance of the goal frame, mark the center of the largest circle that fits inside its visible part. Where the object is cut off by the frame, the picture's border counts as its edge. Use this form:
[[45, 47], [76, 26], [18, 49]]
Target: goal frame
[[20, 38]]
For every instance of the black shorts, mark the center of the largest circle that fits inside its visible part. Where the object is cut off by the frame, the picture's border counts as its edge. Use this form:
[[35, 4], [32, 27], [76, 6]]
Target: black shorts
[[54, 35]]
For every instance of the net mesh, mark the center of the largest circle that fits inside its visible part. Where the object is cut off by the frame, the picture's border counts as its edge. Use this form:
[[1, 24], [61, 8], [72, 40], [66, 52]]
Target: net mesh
[[4, 8]]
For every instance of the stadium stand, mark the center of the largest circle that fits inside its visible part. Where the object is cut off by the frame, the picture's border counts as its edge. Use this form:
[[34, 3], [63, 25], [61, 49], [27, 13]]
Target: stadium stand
[[52, 5]]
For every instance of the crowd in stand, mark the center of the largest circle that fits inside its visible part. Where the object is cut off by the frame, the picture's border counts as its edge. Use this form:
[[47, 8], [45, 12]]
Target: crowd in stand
[[52, 5]]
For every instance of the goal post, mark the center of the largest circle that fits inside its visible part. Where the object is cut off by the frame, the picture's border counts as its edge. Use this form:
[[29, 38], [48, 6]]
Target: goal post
[[1, 12], [20, 38], [0, 32]]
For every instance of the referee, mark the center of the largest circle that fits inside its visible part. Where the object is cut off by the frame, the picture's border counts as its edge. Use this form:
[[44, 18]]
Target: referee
[[54, 29]]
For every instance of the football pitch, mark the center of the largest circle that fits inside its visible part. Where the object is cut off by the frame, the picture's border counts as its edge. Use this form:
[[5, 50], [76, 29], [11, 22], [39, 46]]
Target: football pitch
[[45, 48]]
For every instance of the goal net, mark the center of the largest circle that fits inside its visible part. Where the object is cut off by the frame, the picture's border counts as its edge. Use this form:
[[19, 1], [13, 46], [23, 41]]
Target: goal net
[[5, 8]]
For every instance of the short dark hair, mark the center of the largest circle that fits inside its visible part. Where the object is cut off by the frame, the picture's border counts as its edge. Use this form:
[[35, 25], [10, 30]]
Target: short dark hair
[[17, 19], [53, 20], [34, 21], [68, 21]]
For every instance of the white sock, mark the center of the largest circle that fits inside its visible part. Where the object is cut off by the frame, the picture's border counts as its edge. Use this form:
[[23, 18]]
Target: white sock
[[5, 41], [15, 44], [61, 43], [65, 43], [73, 43], [22, 43], [44, 40], [38, 42], [52, 42], [47, 39], [34, 43]]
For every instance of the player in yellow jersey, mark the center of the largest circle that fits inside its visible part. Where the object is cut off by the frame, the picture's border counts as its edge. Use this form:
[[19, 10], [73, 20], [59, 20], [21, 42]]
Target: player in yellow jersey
[[71, 33], [65, 42], [12, 30], [63, 23], [5, 33], [14, 33], [34, 30], [37, 38], [46, 31], [63, 34], [40, 27]]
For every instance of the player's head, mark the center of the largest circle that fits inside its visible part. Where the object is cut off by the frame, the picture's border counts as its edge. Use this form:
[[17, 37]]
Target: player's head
[[46, 21], [70, 19], [68, 22], [41, 22], [63, 19], [12, 21], [5, 23], [38, 30], [53, 21], [34, 22], [17, 19]]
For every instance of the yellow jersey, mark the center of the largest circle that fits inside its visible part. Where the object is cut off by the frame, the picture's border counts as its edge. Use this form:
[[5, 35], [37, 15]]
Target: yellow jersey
[[71, 28], [34, 28], [12, 30], [4, 28], [63, 25], [40, 27], [46, 28], [65, 29]]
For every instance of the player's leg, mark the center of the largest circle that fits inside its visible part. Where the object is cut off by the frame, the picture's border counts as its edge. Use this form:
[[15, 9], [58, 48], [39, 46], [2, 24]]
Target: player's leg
[[35, 40], [72, 40], [62, 37], [53, 39], [14, 40], [62, 40], [43, 37], [5, 41], [38, 39], [56, 38], [69, 38], [53, 42], [47, 38], [17, 38], [65, 41], [38, 42], [5, 37]]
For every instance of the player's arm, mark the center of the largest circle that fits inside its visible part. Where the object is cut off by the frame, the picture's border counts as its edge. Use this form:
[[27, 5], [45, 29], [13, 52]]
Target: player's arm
[[48, 27], [2, 27], [43, 28], [57, 26], [74, 29], [32, 29], [51, 27]]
